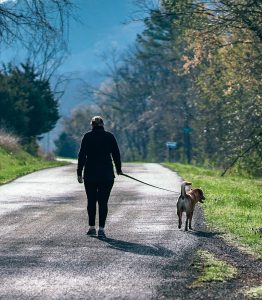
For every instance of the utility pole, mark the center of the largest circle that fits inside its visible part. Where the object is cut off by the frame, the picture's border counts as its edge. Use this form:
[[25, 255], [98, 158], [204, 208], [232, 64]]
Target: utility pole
[[187, 143]]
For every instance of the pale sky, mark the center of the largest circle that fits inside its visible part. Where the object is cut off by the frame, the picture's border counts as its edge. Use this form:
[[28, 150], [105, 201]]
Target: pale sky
[[103, 28]]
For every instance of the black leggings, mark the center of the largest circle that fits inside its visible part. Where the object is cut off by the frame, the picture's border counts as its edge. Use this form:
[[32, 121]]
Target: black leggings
[[98, 192]]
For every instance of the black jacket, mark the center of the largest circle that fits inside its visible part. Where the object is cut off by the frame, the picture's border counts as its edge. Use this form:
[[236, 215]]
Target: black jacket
[[97, 149]]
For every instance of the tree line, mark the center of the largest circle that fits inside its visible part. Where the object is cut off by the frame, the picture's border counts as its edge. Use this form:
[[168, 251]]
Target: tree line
[[193, 76]]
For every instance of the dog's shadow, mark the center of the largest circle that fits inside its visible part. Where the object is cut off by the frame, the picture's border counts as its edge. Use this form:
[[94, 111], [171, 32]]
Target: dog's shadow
[[205, 234], [140, 249]]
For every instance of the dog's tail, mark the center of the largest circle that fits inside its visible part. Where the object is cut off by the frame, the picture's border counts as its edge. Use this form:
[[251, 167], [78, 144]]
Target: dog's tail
[[183, 187]]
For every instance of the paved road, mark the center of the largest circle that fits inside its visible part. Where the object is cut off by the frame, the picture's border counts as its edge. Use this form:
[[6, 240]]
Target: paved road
[[45, 254]]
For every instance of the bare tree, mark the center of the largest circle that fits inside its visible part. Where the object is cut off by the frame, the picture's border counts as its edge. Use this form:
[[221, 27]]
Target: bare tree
[[25, 20], [40, 28]]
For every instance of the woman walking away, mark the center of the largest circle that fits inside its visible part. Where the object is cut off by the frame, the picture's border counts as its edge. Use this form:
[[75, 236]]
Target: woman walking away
[[98, 147]]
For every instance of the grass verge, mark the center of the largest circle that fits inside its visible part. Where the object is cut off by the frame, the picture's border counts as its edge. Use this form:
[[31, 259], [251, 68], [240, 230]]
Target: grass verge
[[18, 163], [212, 269], [233, 203]]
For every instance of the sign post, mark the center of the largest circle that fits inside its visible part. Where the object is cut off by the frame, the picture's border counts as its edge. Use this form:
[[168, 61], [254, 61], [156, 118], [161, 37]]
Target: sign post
[[170, 146]]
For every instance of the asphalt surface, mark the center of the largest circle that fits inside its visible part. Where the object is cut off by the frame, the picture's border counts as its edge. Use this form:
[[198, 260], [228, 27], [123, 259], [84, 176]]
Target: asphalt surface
[[45, 253]]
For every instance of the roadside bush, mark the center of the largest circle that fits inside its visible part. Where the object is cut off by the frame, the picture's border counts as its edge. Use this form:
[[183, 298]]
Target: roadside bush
[[9, 141], [28, 106], [45, 155]]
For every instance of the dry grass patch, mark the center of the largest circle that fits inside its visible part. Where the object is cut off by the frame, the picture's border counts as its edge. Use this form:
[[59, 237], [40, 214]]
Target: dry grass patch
[[9, 141], [254, 292]]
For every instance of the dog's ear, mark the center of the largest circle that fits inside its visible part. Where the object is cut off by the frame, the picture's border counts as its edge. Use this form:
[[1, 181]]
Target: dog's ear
[[200, 193], [188, 183]]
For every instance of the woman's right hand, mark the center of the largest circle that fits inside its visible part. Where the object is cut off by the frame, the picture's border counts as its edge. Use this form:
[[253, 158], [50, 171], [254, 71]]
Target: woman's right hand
[[80, 179]]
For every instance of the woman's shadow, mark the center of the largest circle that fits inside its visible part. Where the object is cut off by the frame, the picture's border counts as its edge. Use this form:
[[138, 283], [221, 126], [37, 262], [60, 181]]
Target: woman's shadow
[[152, 250]]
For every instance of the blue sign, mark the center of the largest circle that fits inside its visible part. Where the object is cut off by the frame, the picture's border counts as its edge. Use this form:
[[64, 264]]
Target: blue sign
[[171, 145], [187, 129]]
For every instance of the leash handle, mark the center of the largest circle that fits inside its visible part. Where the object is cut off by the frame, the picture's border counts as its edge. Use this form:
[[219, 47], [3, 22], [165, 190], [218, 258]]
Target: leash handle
[[157, 187]]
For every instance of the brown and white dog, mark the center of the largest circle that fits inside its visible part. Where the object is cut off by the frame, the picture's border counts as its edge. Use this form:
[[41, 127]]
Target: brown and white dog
[[186, 203]]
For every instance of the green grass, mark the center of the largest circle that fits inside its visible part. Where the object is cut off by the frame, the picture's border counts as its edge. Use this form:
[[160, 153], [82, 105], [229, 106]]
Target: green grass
[[213, 269], [17, 163], [233, 204]]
